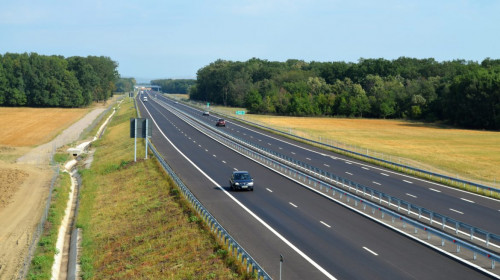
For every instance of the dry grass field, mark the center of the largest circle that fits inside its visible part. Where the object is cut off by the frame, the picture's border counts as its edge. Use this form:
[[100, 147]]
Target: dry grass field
[[22, 127], [469, 154]]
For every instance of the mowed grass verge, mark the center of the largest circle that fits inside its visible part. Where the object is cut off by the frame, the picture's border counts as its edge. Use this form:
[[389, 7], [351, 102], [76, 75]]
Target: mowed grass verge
[[462, 153], [135, 224]]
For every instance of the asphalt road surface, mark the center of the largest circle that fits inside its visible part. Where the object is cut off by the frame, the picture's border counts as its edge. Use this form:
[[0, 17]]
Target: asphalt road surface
[[318, 238]]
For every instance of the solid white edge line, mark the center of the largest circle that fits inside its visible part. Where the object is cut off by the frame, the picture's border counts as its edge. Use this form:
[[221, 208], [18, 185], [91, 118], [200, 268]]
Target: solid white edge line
[[443, 252], [370, 251], [297, 250], [325, 224]]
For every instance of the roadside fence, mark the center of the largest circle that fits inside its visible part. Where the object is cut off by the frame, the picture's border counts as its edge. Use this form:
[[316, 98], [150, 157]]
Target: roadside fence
[[365, 154], [317, 178]]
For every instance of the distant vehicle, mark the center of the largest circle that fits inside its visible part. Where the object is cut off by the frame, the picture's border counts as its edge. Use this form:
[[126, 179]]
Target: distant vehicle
[[241, 180], [206, 113], [221, 122], [145, 98]]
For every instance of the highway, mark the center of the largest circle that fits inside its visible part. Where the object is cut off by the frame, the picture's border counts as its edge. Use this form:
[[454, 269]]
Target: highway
[[318, 238], [476, 210]]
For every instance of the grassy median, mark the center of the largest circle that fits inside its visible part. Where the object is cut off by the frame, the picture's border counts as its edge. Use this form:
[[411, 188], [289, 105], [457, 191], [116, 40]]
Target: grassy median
[[135, 225]]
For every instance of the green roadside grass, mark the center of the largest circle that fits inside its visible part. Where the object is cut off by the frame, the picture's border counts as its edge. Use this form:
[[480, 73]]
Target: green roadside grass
[[135, 224], [43, 258]]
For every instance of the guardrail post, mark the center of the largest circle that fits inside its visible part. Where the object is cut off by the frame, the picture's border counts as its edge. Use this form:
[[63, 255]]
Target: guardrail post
[[456, 227], [472, 233], [399, 204], [409, 208], [487, 239]]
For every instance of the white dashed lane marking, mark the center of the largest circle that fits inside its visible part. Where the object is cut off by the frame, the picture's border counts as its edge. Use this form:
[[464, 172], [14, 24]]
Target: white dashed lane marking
[[375, 254], [348, 162], [308, 158], [384, 174], [470, 201], [409, 182], [326, 165], [348, 173], [269, 190], [409, 194], [325, 224], [293, 205], [365, 168], [293, 153], [434, 190], [235, 169], [224, 161], [376, 183], [456, 211]]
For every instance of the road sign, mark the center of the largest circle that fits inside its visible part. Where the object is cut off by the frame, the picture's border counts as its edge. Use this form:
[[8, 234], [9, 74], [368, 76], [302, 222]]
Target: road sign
[[240, 112], [139, 131]]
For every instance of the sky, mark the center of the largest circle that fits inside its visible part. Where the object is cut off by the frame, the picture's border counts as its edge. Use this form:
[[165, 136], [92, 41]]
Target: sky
[[160, 39]]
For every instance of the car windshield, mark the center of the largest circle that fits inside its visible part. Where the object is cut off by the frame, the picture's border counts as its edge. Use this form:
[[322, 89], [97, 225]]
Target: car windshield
[[242, 176]]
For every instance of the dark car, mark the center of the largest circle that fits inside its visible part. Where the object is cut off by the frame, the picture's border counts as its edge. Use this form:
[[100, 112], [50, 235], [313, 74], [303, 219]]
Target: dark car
[[241, 180], [221, 122]]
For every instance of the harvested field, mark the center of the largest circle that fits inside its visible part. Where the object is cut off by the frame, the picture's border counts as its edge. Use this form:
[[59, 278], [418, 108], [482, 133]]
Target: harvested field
[[22, 127], [463, 153]]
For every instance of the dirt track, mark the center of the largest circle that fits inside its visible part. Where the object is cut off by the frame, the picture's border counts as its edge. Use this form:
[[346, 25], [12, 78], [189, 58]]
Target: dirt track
[[24, 188], [25, 193]]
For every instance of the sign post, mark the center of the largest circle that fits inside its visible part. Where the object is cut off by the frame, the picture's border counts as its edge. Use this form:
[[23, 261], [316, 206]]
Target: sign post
[[281, 264], [139, 128]]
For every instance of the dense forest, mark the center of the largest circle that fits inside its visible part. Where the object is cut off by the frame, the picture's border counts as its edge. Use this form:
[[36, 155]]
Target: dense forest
[[125, 84], [459, 92], [174, 85], [54, 81]]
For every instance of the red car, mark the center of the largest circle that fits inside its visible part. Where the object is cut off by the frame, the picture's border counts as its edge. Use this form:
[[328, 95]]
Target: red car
[[221, 122]]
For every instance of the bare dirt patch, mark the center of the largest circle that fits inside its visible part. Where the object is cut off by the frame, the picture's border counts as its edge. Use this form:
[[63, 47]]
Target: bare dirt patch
[[25, 174], [10, 180], [21, 213]]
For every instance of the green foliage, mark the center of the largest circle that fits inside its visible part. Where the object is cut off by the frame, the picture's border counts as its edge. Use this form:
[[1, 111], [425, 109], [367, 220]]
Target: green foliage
[[41, 264], [464, 93], [61, 157], [54, 81], [174, 85]]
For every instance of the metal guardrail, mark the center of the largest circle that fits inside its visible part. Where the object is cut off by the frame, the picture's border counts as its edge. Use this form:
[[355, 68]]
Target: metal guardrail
[[391, 201], [222, 235], [39, 229], [420, 212], [447, 179], [233, 247]]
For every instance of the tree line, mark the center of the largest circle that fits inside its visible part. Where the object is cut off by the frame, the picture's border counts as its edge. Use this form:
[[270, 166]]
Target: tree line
[[459, 92], [54, 81], [174, 85], [125, 84]]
